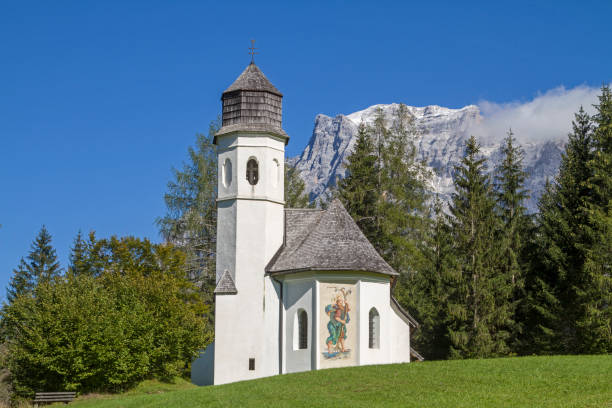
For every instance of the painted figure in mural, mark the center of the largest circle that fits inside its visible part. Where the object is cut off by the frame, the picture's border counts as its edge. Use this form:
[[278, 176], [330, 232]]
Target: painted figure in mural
[[338, 318]]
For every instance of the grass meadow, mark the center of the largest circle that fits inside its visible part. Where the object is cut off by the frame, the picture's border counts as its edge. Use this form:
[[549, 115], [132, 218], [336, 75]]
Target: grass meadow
[[559, 381]]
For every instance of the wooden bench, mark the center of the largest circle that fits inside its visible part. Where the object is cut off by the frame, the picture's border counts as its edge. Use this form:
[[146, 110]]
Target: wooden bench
[[51, 397]]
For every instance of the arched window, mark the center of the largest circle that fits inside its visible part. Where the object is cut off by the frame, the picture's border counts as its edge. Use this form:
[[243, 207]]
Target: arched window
[[374, 326], [300, 330], [252, 172], [227, 173]]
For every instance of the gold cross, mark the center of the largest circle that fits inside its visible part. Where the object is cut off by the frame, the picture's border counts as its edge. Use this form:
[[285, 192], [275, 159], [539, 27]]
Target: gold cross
[[252, 51]]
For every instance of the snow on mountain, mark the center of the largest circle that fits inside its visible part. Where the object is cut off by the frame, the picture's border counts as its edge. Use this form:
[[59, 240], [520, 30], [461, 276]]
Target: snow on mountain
[[440, 142]]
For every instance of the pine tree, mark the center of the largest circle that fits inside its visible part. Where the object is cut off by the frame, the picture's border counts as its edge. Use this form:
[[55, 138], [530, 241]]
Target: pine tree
[[560, 243], [511, 195], [479, 311], [295, 196], [594, 317]]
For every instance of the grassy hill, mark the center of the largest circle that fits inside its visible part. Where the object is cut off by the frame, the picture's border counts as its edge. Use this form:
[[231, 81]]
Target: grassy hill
[[563, 381]]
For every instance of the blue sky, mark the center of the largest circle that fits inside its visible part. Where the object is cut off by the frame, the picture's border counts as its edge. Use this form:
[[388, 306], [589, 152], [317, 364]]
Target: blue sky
[[99, 100]]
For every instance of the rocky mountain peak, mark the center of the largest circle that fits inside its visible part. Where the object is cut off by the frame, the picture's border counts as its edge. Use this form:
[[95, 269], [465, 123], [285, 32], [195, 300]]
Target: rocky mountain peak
[[442, 133]]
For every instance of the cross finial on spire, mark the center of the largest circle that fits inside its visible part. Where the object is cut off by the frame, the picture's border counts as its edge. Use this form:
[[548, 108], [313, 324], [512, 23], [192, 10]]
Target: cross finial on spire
[[252, 51]]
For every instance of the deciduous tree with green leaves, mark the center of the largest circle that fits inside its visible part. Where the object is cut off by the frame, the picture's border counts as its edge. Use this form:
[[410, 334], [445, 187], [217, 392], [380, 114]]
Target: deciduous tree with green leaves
[[136, 318]]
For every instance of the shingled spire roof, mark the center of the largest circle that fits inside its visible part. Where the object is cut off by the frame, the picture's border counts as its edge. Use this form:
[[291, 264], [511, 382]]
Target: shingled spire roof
[[252, 104], [252, 79], [325, 240]]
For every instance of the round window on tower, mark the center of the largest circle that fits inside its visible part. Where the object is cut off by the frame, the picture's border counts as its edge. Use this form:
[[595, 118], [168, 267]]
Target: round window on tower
[[227, 173], [252, 172]]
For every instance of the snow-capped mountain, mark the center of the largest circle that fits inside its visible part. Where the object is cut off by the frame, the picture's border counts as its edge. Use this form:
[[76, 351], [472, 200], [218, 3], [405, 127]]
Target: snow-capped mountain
[[442, 133]]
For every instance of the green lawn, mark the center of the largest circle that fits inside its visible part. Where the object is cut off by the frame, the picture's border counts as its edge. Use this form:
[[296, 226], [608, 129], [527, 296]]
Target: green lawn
[[565, 381]]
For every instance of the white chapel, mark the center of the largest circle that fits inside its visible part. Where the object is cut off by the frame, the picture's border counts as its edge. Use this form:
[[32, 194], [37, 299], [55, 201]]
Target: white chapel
[[297, 289]]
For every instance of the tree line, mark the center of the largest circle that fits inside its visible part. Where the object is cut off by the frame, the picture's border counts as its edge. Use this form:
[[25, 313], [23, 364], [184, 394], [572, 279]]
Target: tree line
[[484, 277]]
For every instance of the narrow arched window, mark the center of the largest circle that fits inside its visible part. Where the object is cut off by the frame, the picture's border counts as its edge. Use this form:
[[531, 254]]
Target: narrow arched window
[[374, 326], [302, 329], [252, 173], [227, 173]]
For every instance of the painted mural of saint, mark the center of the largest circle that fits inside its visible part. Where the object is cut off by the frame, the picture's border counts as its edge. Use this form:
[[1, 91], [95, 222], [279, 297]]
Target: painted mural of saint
[[338, 318]]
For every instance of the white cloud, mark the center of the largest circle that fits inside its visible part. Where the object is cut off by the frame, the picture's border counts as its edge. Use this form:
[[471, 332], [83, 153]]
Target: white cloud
[[548, 116]]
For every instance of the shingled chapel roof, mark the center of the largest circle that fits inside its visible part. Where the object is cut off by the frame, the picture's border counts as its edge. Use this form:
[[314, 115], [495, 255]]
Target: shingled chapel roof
[[252, 79], [325, 240]]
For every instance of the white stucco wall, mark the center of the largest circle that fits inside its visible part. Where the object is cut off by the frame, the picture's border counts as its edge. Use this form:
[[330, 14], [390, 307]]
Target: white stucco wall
[[267, 150], [250, 231], [271, 352], [399, 339], [375, 293], [297, 294], [302, 291]]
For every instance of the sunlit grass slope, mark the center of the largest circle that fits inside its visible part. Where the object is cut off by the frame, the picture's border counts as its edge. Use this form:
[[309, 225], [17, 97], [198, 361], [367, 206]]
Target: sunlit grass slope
[[564, 381]]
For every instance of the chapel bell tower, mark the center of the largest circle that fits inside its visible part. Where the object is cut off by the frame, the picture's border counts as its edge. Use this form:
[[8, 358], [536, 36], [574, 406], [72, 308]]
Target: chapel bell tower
[[250, 227]]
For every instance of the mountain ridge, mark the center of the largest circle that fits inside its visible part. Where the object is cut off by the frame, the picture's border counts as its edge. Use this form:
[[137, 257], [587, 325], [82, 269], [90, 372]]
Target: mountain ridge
[[440, 141]]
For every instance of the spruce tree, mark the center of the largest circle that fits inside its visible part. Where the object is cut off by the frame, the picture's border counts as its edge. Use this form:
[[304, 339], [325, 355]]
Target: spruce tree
[[21, 282], [594, 319], [359, 191], [79, 256], [560, 247], [511, 194], [479, 311], [385, 189], [41, 265], [404, 221], [426, 293]]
